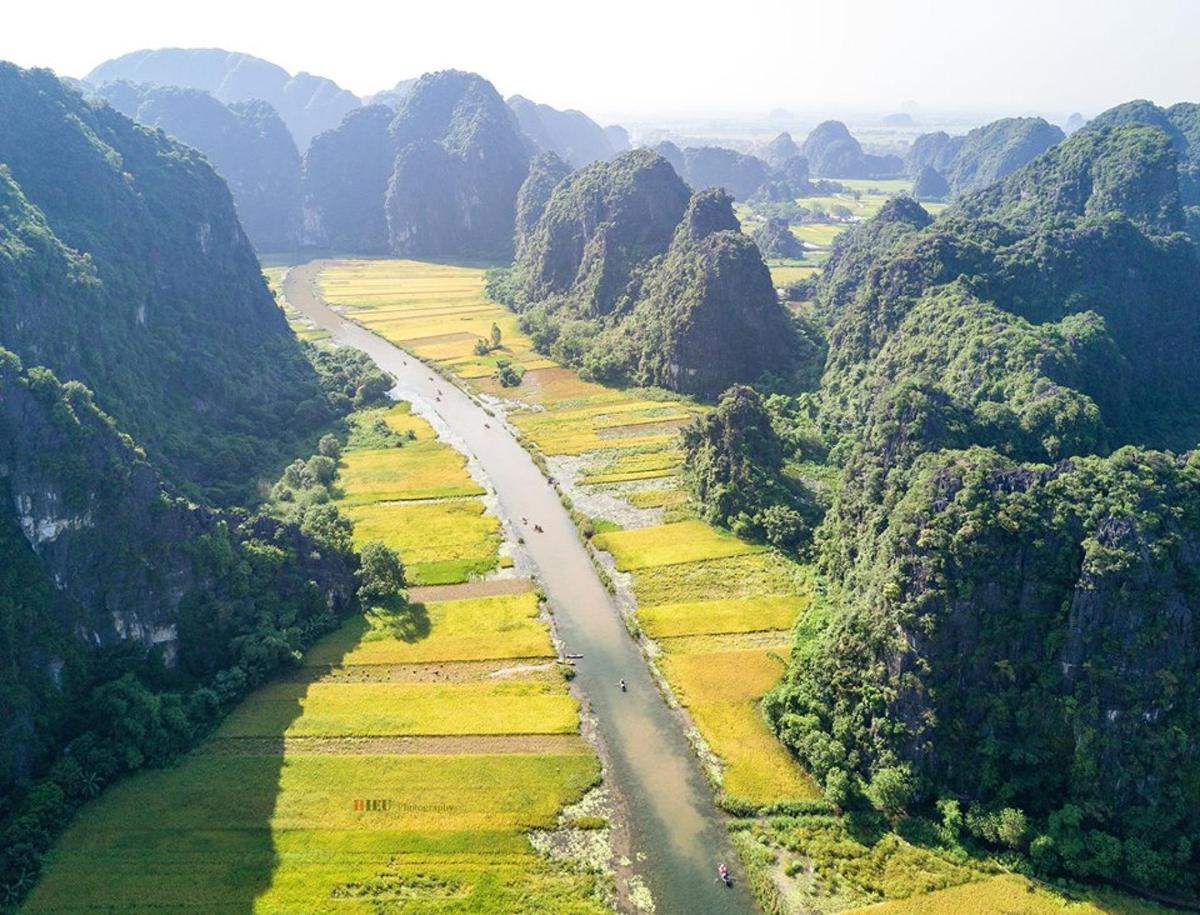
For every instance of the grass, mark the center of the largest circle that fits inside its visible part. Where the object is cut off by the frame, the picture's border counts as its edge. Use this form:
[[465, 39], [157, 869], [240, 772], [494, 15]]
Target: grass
[[419, 470], [746, 614], [473, 629], [335, 709], [440, 542]]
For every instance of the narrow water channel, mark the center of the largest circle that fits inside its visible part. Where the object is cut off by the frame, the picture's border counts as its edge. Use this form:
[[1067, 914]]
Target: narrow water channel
[[676, 829]]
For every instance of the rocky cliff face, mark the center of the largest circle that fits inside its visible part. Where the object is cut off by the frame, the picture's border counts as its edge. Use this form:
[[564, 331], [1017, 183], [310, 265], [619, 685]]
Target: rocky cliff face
[[709, 316], [600, 226], [460, 160], [111, 555], [123, 266], [545, 172], [715, 166], [246, 142], [670, 291], [1008, 550], [346, 174], [996, 150], [437, 177], [832, 152]]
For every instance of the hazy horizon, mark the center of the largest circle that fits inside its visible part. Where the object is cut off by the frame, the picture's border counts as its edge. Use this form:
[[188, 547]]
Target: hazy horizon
[[637, 62]]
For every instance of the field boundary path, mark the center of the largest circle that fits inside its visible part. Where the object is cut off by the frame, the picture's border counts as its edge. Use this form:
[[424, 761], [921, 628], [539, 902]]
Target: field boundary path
[[677, 830]]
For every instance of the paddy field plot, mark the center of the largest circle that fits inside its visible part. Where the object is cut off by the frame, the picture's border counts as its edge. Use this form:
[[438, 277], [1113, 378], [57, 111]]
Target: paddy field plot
[[721, 690], [709, 617], [668, 544], [470, 629], [786, 275], [441, 542], [418, 470], [820, 234]]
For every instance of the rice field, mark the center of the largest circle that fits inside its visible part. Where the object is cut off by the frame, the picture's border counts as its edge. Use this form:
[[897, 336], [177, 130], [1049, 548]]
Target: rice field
[[670, 544], [370, 781], [441, 542], [468, 629], [786, 275], [820, 234], [699, 589], [338, 709], [720, 611], [747, 614]]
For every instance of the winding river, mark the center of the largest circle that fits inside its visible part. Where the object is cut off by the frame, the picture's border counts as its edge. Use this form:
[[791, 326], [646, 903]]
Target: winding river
[[676, 829]]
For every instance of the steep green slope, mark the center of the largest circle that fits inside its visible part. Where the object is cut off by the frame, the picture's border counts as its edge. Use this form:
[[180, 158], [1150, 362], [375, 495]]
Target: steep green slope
[[1003, 574], [832, 152], [715, 166], [130, 618], [247, 144], [125, 268], [632, 278], [130, 615], [995, 150], [545, 172], [600, 225]]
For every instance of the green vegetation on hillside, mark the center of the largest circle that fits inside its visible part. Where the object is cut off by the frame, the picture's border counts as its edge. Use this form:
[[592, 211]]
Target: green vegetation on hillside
[[1003, 571]]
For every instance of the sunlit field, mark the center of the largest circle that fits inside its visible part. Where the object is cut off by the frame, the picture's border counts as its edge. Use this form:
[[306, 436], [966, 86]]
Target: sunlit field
[[684, 541], [371, 780], [469, 629], [720, 611]]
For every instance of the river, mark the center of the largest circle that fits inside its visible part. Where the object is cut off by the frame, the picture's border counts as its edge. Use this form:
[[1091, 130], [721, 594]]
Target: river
[[676, 829]]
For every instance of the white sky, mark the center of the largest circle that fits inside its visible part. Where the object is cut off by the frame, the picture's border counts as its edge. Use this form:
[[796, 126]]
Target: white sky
[[635, 59]]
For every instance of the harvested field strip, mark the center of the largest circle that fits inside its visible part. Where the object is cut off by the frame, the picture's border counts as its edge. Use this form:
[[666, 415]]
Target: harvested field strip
[[724, 675], [669, 544], [469, 629], [554, 744], [747, 614], [340, 709], [494, 588], [429, 793], [530, 669], [726, 641]]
